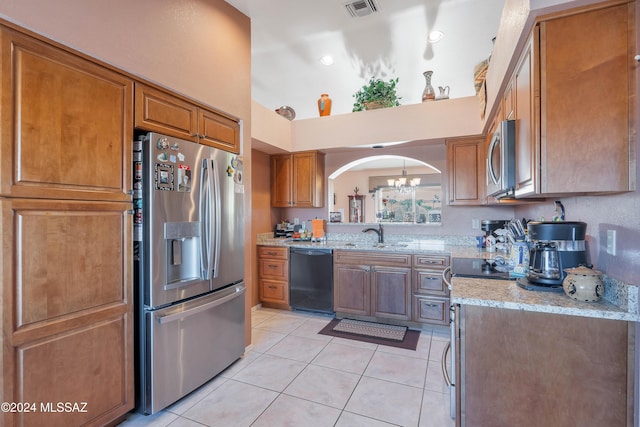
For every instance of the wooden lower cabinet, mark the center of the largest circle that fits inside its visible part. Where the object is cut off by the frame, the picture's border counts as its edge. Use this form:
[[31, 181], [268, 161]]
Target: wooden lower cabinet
[[430, 299], [519, 368], [375, 284], [67, 310], [273, 276]]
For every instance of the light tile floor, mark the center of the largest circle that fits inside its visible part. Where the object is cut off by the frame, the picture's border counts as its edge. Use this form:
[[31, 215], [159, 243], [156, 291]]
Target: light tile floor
[[292, 376]]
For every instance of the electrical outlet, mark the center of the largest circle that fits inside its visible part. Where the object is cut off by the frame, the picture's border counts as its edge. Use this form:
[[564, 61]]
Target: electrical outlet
[[475, 224], [611, 242]]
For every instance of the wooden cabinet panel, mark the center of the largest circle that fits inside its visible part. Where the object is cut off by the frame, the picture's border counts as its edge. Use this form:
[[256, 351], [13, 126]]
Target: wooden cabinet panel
[[432, 310], [273, 252], [390, 259], [297, 180], [159, 111], [352, 289], [60, 265], [465, 160], [274, 269], [578, 370], [527, 116], [281, 181], [391, 293], [218, 131], [67, 307], [274, 291], [430, 298], [570, 124], [66, 124], [429, 281], [90, 365], [308, 179], [273, 276], [585, 114]]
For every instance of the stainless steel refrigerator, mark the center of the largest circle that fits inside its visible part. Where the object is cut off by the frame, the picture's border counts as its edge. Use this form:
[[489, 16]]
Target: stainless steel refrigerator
[[188, 265]]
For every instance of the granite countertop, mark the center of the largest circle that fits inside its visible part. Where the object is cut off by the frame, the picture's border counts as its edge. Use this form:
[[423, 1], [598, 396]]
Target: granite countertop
[[417, 247], [507, 294], [619, 303]]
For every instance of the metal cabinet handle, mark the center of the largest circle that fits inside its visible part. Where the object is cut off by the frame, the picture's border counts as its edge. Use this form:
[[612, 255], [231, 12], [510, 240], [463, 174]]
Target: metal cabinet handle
[[445, 373], [273, 287], [431, 305], [272, 253], [444, 276], [273, 266], [637, 58]]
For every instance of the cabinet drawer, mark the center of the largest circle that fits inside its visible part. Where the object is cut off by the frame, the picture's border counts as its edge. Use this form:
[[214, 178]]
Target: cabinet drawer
[[390, 259], [431, 310], [274, 291], [274, 269], [429, 281], [273, 252], [431, 261]]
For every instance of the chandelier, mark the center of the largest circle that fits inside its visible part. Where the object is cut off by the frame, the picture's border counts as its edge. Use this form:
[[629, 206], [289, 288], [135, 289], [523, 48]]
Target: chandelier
[[401, 183]]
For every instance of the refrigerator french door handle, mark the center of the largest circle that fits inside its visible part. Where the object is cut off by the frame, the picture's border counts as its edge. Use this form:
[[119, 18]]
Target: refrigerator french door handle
[[183, 314], [205, 219], [215, 258]]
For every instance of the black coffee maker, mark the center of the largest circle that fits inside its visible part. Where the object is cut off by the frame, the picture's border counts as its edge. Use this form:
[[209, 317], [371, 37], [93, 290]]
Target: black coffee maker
[[556, 245]]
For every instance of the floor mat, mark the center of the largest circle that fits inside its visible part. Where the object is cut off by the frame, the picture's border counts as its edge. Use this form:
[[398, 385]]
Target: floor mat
[[376, 333]]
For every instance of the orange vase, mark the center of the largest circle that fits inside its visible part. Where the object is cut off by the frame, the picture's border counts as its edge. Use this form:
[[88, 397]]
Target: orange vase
[[324, 105]]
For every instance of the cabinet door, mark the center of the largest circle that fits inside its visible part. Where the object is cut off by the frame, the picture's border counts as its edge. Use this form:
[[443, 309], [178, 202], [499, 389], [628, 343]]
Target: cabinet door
[[527, 118], [159, 111], [67, 278], [351, 289], [564, 362], [218, 131], [585, 114], [391, 292], [281, 184], [465, 160], [308, 179], [66, 124], [274, 291]]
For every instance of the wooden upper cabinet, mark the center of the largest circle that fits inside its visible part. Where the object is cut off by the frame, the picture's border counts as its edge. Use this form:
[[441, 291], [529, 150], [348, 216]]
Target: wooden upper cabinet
[[66, 124], [466, 170], [297, 180], [218, 131], [160, 111], [582, 121], [527, 107]]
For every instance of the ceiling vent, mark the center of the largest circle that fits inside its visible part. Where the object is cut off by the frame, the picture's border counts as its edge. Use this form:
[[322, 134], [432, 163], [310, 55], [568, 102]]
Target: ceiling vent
[[361, 8]]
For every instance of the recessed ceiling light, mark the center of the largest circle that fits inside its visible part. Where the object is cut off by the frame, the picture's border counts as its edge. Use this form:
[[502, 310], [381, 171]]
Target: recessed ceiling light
[[435, 36], [326, 60]]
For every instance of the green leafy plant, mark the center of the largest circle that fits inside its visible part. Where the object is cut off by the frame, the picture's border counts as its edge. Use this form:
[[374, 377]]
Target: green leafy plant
[[378, 92]]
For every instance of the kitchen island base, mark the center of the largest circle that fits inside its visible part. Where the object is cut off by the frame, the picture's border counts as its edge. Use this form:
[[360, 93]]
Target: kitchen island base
[[529, 368]]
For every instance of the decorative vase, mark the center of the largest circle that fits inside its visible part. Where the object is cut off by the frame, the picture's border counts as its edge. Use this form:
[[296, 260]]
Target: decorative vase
[[428, 94], [324, 105]]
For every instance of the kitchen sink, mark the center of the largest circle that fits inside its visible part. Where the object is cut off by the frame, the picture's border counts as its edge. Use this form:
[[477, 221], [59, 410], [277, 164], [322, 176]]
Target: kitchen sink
[[375, 245]]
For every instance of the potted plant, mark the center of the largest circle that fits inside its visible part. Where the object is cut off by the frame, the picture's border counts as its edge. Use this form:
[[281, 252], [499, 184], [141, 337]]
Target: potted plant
[[376, 94]]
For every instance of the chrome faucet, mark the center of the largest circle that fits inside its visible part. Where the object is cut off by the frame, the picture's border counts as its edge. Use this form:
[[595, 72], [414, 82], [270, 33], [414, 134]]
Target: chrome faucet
[[379, 232]]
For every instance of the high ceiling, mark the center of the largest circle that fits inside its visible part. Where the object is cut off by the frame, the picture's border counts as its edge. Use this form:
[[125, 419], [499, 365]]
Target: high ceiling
[[290, 36]]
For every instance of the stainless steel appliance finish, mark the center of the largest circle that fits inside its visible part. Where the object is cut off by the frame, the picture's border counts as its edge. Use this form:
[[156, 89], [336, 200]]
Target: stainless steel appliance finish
[[451, 350], [188, 264], [311, 279], [501, 161], [557, 245]]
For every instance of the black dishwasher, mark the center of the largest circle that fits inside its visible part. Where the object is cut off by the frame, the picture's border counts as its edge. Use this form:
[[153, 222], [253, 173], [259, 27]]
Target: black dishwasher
[[311, 279]]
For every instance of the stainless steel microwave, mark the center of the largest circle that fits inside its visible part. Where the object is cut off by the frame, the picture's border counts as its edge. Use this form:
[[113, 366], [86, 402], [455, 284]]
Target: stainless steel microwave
[[501, 161]]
